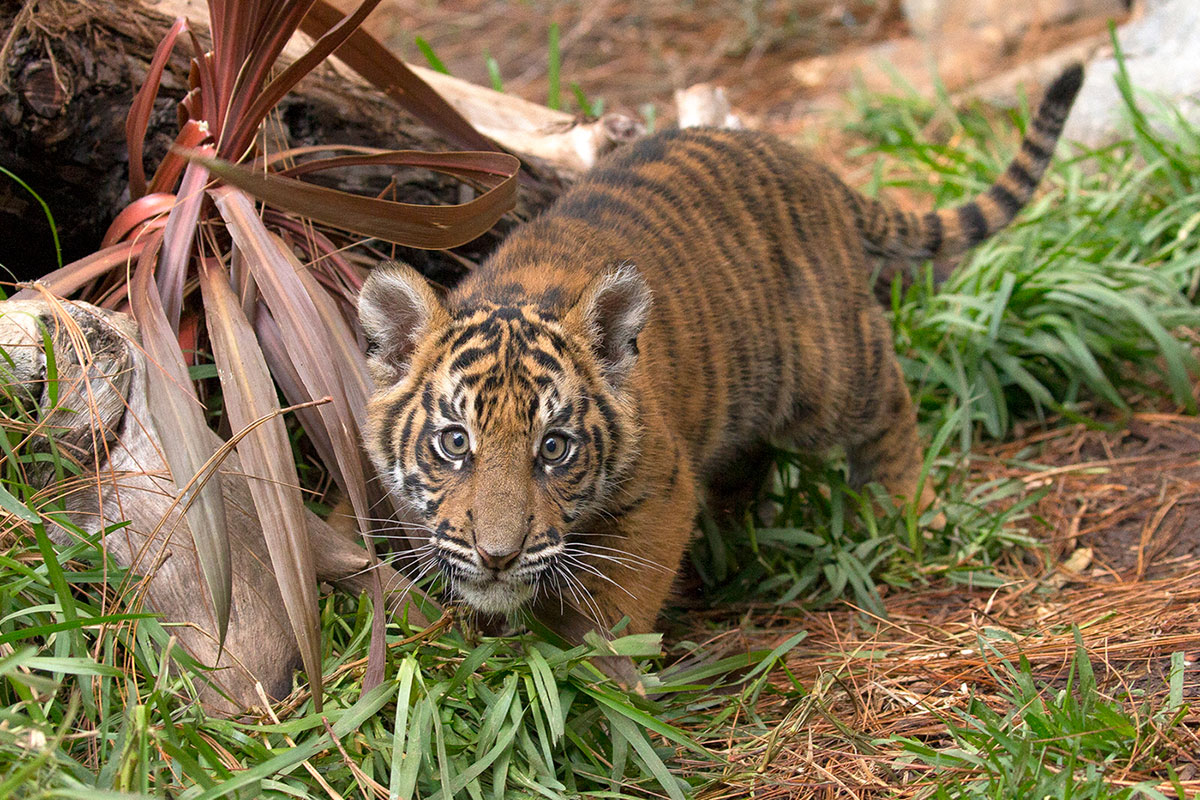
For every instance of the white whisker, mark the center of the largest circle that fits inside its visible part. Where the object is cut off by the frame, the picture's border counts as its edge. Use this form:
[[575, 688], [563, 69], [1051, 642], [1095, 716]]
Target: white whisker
[[591, 569], [622, 556]]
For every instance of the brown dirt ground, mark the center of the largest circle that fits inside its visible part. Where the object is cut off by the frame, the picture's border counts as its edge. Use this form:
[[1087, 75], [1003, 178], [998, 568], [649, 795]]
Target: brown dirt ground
[[1123, 504]]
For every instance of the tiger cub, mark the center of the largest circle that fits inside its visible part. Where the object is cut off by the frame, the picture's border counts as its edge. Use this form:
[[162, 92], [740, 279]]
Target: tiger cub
[[558, 418]]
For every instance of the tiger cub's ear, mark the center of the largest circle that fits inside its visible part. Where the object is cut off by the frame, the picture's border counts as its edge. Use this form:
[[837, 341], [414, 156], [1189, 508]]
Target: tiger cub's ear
[[613, 310], [397, 307]]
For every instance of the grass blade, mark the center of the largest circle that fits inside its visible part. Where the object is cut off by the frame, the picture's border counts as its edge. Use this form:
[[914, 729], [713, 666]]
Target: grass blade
[[400, 756], [45, 210], [624, 727], [493, 68], [426, 49], [553, 70]]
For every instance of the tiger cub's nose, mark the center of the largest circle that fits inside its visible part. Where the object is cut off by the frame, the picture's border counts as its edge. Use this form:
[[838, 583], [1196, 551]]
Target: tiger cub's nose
[[497, 561]]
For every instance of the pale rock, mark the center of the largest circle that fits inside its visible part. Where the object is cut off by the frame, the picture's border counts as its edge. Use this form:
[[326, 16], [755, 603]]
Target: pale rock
[[1162, 57], [705, 105]]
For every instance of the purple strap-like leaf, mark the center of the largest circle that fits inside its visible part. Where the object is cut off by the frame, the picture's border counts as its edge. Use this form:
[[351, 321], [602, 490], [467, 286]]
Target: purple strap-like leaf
[[143, 104], [178, 236], [70, 277], [427, 227], [257, 103], [274, 270], [179, 418], [266, 459]]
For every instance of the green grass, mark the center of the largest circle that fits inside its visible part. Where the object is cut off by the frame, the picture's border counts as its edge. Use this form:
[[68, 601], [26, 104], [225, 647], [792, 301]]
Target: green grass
[[553, 69], [1080, 306], [93, 699], [1059, 740], [587, 107], [431, 57], [1082, 300]]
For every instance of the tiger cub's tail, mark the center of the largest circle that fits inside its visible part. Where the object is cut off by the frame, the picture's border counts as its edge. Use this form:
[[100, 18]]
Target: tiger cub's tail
[[894, 234]]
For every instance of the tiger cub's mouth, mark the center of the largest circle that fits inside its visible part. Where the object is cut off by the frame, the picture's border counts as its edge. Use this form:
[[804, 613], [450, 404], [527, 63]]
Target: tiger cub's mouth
[[502, 593], [489, 590]]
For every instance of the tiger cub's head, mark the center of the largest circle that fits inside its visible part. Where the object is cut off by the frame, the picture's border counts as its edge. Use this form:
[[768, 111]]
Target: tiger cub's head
[[504, 426]]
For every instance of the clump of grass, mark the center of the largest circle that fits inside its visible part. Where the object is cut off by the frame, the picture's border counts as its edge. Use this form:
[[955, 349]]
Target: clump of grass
[[828, 542], [1065, 740], [1086, 298]]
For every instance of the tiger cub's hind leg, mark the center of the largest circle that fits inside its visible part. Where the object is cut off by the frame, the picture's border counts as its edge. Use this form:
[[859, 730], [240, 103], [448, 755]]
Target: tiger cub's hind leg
[[735, 488], [885, 446]]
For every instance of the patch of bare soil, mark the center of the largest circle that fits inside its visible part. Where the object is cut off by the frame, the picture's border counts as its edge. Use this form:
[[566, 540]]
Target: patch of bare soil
[[766, 53], [632, 53]]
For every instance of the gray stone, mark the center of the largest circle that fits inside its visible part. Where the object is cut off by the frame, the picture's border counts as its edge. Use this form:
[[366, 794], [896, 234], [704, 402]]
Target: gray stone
[[1162, 56]]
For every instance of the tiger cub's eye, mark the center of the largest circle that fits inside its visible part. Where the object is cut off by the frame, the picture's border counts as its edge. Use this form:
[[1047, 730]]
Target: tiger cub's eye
[[455, 442], [554, 448]]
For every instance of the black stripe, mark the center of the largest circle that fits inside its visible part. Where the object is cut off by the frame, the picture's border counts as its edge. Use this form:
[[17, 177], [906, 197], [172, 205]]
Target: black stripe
[[900, 223], [1021, 176], [545, 360], [590, 203], [1050, 122], [646, 150], [631, 506], [934, 233], [508, 313], [1036, 151], [1061, 93], [1005, 199], [597, 443], [406, 431], [973, 223]]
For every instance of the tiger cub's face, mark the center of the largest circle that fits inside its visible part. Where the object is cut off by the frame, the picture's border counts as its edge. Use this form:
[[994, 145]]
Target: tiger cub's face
[[503, 427]]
